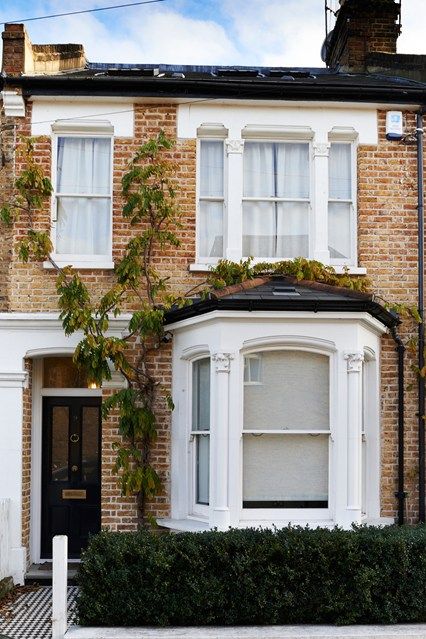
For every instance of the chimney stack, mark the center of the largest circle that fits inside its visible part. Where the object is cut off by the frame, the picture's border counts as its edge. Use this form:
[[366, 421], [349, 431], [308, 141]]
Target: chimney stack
[[21, 57], [362, 27]]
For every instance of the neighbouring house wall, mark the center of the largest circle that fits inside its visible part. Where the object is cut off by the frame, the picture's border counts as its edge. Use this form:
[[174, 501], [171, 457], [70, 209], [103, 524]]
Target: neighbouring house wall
[[387, 247]]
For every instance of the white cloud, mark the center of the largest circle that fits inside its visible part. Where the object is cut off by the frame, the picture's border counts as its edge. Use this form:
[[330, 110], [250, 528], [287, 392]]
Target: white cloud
[[251, 32]]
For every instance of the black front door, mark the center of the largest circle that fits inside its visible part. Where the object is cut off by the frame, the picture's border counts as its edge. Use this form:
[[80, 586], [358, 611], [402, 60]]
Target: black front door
[[71, 471]]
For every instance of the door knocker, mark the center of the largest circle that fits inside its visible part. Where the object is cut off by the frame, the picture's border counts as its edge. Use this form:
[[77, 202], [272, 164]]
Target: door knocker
[[74, 438]]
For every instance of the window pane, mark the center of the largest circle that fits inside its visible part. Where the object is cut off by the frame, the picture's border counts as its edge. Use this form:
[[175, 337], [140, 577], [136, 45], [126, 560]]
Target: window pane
[[60, 436], [211, 168], [259, 170], [294, 394], [259, 229], [252, 368], [83, 226], [89, 452], [211, 229], [201, 395], [339, 230], [288, 471], [340, 183], [61, 372], [292, 169], [202, 470], [292, 229], [84, 166]]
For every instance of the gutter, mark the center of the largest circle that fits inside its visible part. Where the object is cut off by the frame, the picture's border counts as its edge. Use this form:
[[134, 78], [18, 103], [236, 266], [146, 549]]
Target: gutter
[[421, 329], [401, 494], [217, 88]]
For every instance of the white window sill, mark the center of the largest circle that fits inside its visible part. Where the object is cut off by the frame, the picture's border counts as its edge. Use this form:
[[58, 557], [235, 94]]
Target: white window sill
[[184, 525], [81, 264], [340, 270]]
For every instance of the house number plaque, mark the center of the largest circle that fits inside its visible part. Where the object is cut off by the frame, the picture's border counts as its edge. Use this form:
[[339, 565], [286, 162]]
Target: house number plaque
[[73, 493]]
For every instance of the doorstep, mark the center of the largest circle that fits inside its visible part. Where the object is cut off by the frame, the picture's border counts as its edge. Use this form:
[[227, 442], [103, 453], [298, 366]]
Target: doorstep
[[402, 631], [42, 573]]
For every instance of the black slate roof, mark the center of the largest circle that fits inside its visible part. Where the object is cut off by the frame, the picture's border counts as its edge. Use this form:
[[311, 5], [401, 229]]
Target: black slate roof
[[236, 82], [285, 294]]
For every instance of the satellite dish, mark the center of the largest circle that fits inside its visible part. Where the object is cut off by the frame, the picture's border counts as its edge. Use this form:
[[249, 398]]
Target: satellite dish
[[326, 46]]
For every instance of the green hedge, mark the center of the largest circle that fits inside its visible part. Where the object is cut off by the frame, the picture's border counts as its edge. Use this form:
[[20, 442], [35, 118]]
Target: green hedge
[[289, 576]]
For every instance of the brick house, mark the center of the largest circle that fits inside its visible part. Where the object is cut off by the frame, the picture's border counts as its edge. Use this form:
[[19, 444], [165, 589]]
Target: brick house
[[296, 385]]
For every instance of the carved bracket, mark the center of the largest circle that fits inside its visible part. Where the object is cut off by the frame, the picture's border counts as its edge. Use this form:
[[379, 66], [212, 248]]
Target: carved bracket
[[354, 362], [222, 362], [321, 149], [234, 146]]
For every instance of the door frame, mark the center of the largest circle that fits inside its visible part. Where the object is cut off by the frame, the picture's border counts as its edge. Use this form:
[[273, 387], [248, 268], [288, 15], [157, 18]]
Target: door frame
[[38, 392]]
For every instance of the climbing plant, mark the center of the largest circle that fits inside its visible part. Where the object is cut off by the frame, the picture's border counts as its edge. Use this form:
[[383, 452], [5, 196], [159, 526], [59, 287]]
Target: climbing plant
[[148, 189]]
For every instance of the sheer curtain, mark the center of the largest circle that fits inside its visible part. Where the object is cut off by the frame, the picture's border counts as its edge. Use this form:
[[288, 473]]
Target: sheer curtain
[[201, 424], [83, 191], [272, 171], [340, 204], [210, 237]]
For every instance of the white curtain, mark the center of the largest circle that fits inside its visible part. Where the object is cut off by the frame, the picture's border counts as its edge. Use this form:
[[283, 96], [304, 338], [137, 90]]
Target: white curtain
[[83, 171], [285, 468], [340, 182], [339, 213], [293, 393], [210, 236], [272, 229]]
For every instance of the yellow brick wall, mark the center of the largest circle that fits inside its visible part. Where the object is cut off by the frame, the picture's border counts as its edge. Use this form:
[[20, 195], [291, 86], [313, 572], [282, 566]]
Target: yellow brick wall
[[387, 226]]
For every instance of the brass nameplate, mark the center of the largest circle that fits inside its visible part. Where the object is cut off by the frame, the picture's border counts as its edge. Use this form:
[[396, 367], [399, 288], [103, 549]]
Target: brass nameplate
[[73, 494]]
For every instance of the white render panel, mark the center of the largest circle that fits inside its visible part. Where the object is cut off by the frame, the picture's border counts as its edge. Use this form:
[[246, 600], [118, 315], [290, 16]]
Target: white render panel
[[4, 538], [45, 113], [320, 119]]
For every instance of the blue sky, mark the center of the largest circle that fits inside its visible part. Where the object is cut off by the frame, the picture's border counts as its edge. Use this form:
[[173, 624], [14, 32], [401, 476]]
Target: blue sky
[[262, 32]]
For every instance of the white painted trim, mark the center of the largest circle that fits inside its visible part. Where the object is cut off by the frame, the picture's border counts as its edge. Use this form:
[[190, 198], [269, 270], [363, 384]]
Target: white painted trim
[[196, 352], [18, 379], [50, 321], [342, 133], [77, 263], [310, 316], [286, 342], [71, 392], [212, 130], [84, 127], [274, 132]]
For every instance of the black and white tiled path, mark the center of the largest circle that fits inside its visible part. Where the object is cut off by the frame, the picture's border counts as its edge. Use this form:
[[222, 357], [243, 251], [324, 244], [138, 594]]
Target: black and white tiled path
[[32, 613]]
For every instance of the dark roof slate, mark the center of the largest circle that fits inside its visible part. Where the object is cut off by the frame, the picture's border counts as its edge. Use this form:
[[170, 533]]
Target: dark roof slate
[[285, 294]]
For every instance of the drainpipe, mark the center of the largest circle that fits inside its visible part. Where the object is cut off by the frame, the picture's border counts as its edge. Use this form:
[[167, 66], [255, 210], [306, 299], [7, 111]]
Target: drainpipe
[[421, 330], [400, 494]]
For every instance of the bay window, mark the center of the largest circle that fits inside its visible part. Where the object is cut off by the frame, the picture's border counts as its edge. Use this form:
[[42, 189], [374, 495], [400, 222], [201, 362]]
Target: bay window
[[286, 432]]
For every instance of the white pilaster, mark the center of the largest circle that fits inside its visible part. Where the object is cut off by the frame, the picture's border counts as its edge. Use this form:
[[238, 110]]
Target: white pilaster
[[320, 213], [234, 192], [11, 385], [354, 477], [220, 515]]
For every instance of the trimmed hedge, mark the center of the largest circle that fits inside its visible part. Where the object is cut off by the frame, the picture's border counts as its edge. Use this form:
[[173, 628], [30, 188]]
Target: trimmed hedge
[[243, 577]]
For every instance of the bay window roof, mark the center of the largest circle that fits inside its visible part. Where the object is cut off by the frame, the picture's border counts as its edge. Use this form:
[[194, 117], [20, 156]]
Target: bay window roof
[[283, 293]]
